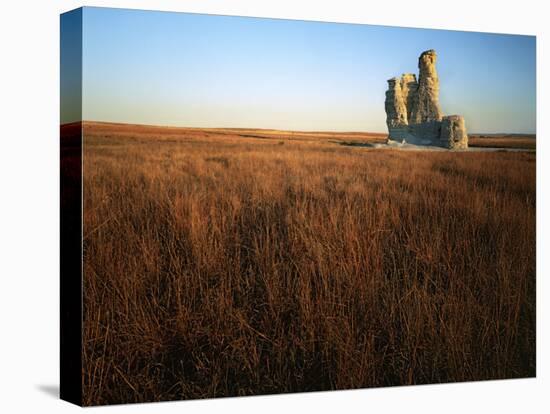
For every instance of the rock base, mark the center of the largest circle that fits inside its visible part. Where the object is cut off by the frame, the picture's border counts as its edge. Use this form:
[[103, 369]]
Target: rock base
[[448, 133], [453, 132]]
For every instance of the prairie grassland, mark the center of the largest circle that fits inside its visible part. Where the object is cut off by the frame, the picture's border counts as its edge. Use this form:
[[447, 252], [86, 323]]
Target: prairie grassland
[[221, 265], [513, 141]]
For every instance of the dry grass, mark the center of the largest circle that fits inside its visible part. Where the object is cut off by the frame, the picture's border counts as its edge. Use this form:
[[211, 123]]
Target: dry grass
[[222, 265], [504, 141]]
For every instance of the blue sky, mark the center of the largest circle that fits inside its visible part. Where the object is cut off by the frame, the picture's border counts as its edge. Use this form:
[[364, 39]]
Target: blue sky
[[218, 71]]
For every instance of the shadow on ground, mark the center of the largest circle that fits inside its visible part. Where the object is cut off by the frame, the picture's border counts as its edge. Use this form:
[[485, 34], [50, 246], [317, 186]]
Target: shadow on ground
[[50, 389]]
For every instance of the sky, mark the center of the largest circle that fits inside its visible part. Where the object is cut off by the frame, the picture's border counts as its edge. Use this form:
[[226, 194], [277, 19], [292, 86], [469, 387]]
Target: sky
[[196, 70], [71, 66]]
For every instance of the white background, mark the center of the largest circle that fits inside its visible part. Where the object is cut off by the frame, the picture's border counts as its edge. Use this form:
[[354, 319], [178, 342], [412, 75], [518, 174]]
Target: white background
[[29, 207]]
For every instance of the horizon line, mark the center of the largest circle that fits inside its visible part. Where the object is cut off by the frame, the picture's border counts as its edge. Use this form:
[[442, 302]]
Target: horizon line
[[223, 128], [270, 129]]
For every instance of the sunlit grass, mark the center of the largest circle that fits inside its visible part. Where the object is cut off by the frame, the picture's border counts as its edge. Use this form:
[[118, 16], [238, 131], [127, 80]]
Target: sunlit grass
[[220, 265]]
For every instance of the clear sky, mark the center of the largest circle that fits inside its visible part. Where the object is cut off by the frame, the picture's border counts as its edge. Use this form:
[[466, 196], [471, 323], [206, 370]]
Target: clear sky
[[216, 71]]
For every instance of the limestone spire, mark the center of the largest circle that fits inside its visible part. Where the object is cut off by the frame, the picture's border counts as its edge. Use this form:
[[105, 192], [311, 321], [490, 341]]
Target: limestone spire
[[426, 103], [396, 107]]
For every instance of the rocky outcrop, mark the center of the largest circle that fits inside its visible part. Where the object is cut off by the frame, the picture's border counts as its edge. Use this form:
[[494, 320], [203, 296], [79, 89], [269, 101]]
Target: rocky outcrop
[[399, 103], [396, 109], [453, 132], [413, 111], [426, 101]]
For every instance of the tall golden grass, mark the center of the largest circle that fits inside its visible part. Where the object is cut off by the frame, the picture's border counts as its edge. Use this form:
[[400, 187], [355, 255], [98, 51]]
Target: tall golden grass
[[220, 265]]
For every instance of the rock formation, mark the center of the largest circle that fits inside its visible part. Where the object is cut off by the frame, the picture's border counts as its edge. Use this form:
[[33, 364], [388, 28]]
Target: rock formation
[[413, 111], [453, 132]]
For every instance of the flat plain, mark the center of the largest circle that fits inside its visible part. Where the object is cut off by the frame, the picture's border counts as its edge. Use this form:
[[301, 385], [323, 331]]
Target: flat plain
[[225, 262]]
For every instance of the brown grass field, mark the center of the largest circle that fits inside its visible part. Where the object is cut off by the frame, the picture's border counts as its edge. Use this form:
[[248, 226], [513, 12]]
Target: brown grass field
[[238, 262], [503, 141]]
